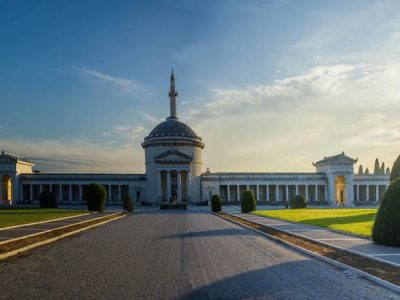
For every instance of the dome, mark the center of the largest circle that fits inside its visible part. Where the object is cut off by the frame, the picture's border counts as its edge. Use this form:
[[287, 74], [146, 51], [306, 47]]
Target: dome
[[172, 128]]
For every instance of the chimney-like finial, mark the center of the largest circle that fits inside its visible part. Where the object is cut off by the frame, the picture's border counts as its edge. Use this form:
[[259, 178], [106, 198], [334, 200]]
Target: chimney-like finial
[[172, 97]]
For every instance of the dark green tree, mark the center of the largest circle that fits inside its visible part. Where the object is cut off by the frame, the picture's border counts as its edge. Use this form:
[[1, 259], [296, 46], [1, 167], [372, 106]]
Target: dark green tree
[[248, 203], [95, 195], [360, 170], [216, 205], [366, 171], [382, 168], [377, 168], [388, 171], [395, 173], [386, 229]]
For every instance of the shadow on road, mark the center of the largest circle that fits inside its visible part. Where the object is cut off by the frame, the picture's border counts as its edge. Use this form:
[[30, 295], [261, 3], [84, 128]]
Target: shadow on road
[[211, 233]]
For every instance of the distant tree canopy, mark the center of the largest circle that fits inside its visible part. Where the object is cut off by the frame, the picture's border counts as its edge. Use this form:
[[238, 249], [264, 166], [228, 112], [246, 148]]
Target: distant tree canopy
[[383, 168], [360, 170], [395, 170], [387, 170], [366, 171], [377, 169]]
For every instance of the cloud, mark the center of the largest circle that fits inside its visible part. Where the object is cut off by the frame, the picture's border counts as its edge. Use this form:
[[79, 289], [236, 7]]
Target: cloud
[[395, 35], [123, 85], [285, 125], [77, 156]]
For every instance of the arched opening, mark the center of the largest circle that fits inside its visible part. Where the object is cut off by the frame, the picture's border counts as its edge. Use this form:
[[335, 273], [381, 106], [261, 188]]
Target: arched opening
[[341, 195], [6, 190]]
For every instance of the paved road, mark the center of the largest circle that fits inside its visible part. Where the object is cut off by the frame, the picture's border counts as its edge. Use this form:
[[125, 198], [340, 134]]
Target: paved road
[[189, 255]]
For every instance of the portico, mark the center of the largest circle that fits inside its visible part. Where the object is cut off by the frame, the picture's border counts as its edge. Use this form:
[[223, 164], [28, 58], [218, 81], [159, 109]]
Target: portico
[[173, 184]]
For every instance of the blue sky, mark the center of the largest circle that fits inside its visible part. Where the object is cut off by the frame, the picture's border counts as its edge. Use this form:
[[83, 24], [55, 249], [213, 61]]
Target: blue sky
[[270, 85]]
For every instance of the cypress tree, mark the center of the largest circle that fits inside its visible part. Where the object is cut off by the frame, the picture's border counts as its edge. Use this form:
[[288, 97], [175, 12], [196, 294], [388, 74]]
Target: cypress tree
[[360, 170], [382, 168], [377, 169], [388, 171], [366, 171], [395, 170]]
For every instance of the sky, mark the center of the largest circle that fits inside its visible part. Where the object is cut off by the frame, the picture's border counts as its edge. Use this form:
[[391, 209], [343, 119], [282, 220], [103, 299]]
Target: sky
[[270, 85]]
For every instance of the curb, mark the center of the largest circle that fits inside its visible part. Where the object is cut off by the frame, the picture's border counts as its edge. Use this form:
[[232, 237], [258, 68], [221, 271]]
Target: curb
[[324, 243], [51, 240], [372, 278], [46, 221]]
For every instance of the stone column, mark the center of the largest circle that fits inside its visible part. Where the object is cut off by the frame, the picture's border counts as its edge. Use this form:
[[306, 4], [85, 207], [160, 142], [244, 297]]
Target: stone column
[[228, 192], [120, 193], [168, 186], [367, 192], [267, 191], [277, 193], [358, 192], [306, 192], [326, 193], [258, 193], [70, 193], [159, 186], [238, 192], [377, 193], [80, 193], [179, 184], [31, 192], [316, 192], [297, 189], [247, 187], [109, 193], [188, 187], [287, 193]]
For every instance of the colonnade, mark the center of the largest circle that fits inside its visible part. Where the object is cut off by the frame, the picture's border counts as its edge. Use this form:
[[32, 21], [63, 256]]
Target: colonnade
[[66, 192], [369, 192], [275, 192]]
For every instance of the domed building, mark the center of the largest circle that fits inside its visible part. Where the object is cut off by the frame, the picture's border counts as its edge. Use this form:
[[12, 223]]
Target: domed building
[[173, 158]]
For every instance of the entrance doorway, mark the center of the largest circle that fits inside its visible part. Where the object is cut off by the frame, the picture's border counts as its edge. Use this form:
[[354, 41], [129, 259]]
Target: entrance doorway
[[341, 198], [6, 190]]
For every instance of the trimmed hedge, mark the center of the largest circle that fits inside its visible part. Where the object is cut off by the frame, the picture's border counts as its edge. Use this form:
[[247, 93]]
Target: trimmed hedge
[[48, 200], [216, 204], [176, 206], [95, 195], [248, 203], [128, 204], [298, 202], [386, 229]]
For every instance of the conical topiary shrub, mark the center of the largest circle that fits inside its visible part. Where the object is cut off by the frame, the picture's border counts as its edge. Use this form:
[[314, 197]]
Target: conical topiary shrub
[[386, 230], [216, 203], [248, 203], [95, 197]]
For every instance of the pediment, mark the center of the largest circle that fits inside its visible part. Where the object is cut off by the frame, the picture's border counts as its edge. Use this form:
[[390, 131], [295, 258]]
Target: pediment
[[173, 156]]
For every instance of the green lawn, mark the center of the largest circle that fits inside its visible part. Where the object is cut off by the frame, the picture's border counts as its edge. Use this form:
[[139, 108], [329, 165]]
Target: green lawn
[[358, 221], [18, 216]]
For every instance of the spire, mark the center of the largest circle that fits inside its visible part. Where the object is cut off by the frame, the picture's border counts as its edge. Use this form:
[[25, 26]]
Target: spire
[[172, 97]]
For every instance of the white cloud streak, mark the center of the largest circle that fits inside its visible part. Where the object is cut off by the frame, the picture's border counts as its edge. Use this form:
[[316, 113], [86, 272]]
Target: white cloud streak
[[124, 85]]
